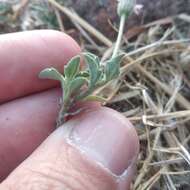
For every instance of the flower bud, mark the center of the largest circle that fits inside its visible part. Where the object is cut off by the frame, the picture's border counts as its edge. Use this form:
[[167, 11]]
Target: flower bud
[[126, 7], [138, 8]]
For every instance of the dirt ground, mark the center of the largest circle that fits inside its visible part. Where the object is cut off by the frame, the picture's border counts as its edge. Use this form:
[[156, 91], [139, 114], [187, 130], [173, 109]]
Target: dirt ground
[[99, 12]]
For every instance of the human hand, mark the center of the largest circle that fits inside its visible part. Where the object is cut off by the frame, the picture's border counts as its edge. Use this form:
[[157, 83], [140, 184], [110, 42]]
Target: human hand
[[101, 146]]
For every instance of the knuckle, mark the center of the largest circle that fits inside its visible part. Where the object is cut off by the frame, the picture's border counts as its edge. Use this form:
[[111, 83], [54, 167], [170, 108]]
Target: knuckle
[[47, 178], [71, 173]]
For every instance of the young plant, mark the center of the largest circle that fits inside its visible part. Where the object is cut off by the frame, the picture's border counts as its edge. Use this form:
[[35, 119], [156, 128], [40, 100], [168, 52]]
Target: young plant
[[78, 84]]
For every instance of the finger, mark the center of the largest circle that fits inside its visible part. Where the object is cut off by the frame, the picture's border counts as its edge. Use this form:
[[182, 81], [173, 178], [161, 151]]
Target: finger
[[23, 55], [95, 150], [24, 124]]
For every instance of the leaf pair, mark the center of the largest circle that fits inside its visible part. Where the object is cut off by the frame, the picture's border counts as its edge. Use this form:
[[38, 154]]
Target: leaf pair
[[72, 68], [94, 69], [70, 82], [98, 73]]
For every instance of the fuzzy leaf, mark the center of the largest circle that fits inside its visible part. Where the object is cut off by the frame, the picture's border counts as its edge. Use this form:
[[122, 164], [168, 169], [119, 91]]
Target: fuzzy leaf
[[112, 67], [93, 56], [73, 87], [76, 84], [84, 74], [51, 73], [94, 69], [72, 68]]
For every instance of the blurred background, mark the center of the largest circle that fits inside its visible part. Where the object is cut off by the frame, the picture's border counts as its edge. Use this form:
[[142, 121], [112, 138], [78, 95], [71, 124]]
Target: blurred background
[[17, 15]]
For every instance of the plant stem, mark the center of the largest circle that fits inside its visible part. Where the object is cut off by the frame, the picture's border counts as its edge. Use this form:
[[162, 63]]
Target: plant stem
[[120, 35]]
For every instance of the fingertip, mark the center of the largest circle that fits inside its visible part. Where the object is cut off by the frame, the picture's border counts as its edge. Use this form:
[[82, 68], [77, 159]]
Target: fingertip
[[99, 144], [60, 39], [31, 52], [108, 136]]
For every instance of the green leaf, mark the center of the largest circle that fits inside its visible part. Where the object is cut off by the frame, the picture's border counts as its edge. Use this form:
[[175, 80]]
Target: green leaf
[[94, 69], [72, 68], [51, 73], [73, 86], [93, 56], [84, 74], [112, 67], [76, 84], [95, 98]]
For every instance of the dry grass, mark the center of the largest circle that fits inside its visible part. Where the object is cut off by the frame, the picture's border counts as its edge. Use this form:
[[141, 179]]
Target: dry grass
[[153, 90]]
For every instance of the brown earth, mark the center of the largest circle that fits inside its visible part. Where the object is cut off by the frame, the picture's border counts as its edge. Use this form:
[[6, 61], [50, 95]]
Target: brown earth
[[100, 12]]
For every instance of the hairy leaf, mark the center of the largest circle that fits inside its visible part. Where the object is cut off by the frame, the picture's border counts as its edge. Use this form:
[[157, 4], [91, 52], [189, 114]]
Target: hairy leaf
[[93, 56], [51, 73], [94, 69], [76, 84], [112, 67], [72, 68], [73, 87], [83, 74]]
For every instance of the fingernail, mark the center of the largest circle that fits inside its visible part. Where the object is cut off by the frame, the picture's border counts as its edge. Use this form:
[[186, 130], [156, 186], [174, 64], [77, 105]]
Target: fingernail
[[106, 137]]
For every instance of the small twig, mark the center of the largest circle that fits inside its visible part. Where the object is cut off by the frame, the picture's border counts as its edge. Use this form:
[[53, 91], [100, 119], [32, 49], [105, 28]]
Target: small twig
[[125, 96], [145, 166], [132, 63], [86, 36], [157, 44], [82, 22], [176, 115], [179, 98], [120, 35], [19, 10], [167, 162], [176, 173], [59, 20], [183, 149], [148, 184]]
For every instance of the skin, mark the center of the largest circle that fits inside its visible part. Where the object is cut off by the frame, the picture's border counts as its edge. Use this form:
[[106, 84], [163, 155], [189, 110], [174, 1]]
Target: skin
[[33, 155]]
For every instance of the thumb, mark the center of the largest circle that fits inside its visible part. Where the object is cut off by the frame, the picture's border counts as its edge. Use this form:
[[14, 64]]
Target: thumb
[[94, 151]]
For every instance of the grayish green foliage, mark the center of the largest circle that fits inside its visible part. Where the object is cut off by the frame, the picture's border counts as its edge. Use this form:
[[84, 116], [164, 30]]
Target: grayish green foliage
[[112, 69], [52, 73], [72, 68], [94, 69], [79, 84]]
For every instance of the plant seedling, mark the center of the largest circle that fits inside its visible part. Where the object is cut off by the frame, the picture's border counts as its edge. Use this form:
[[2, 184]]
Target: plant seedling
[[79, 84]]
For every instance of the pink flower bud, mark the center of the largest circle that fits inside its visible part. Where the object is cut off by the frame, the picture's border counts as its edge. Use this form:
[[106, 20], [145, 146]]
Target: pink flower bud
[[127, 7]]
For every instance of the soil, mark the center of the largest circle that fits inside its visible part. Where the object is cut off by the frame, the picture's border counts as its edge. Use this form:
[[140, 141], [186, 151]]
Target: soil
[[100, 12]]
